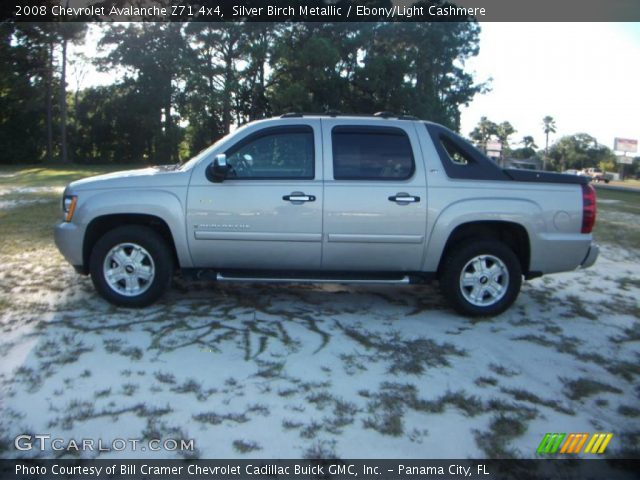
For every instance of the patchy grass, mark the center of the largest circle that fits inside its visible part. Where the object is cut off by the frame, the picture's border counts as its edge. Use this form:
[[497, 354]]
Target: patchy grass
[[627, 283], [289, 424], [320, 450], [502, 370], [311, 429], [577, 308], [387, 407], [245, 446], [502, 430], [586, 387], [213, 418], [486, 381], [404, 356], [526, 396], [629, 411]]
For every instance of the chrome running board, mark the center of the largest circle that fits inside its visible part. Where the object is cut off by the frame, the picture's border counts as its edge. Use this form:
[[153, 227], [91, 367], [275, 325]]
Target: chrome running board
[[230, 278]]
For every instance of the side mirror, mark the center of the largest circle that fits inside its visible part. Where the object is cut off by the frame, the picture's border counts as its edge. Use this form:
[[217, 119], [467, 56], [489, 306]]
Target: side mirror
[[217, 171]]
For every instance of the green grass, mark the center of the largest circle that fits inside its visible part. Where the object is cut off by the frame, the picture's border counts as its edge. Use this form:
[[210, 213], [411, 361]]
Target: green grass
[[630, 182], [54, 175], [628, 202], [612, 227], [618, 233], [29, 226]]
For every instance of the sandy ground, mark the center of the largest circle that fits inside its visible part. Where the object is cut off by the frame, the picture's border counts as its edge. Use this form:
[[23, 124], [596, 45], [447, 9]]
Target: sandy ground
[[274, 371]]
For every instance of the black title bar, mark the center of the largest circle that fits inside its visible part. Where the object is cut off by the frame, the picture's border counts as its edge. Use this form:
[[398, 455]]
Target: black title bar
[[617, 469], [321, 10]]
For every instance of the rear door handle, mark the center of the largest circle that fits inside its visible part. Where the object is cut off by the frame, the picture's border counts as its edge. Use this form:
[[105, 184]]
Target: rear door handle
[[299, 197], [404, 198]]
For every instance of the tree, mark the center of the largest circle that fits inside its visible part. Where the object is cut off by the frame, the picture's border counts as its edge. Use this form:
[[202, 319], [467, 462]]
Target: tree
[[483, 132], [111, 124], [528, 149], [39, 40], [152, 53], [23, 77], [48, 38], [503, 132], [307, 69], [406, 67], [66, 32], [212, 74], [186, 84], [528, 142], [578, 151], [549, 125], [252, 102]]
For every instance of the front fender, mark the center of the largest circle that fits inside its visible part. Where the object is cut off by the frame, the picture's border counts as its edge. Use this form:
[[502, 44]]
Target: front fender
[[168, 206]]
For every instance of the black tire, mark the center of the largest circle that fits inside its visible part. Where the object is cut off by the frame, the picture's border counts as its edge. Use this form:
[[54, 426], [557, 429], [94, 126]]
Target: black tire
[[158, 253], [457, 260]]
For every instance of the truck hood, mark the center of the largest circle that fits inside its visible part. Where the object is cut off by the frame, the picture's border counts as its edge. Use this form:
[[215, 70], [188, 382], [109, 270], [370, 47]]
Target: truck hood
[[159, 176]]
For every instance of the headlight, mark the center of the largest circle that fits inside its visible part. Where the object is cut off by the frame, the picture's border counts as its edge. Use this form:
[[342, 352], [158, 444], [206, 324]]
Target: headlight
[[69, 206]]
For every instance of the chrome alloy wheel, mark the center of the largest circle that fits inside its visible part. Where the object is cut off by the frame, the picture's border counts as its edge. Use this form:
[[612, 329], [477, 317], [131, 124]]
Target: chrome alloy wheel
[[484, 280], [128, 269]]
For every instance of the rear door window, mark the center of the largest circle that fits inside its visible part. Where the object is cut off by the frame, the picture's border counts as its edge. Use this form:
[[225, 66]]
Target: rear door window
[[371, 153]]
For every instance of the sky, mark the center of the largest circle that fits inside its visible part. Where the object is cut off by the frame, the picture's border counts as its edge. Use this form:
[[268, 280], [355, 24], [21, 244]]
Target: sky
[[585, 75]]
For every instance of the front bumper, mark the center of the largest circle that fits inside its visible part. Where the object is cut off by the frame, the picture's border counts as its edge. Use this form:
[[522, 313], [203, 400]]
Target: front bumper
[[68, 238], [592, 255]]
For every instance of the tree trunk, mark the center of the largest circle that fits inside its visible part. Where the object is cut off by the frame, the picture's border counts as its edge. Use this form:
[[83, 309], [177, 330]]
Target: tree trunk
[[48, 94], [226, 101], [169, 153], [63, 104], [546, 151], [227, 89]]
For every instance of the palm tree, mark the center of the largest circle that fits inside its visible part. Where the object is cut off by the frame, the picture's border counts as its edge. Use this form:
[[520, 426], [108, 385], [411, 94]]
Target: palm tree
[[503, 132], [529, 142], [483, 132], [549, 125]]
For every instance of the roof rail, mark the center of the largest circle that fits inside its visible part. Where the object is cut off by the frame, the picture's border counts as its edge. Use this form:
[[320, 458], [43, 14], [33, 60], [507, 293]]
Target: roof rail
[[336, 113]]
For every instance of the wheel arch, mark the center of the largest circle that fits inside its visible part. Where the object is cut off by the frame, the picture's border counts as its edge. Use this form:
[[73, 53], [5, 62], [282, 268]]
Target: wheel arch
[[513, 234], [105, 223]]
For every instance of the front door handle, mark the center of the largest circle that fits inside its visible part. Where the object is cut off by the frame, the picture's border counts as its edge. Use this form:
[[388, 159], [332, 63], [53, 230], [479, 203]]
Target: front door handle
[[299, 197], [404, 198]]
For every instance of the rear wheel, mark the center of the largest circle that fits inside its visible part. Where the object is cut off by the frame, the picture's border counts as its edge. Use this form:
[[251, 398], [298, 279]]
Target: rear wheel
[[131, 266], [481, 278]]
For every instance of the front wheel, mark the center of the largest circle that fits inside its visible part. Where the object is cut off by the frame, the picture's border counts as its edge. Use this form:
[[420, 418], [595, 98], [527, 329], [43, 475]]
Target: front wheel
[[131, 266], [481, 278]]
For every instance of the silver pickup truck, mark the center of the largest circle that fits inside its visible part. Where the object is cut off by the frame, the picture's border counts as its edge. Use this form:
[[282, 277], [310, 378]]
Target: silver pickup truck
[[328, 198]]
